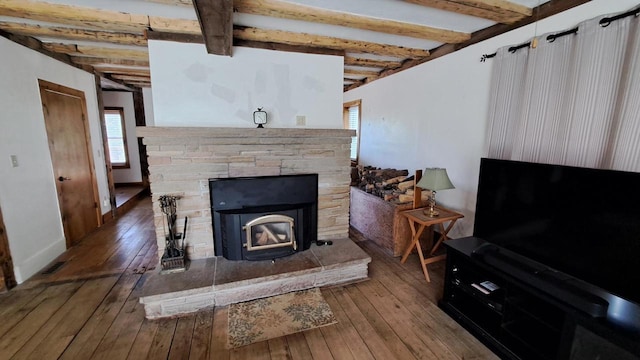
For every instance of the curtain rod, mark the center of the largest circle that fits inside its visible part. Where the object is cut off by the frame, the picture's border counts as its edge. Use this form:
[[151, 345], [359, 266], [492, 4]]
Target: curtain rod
[[604, 22], [484, 57], [553, 37], [608, 20], [513, 49]]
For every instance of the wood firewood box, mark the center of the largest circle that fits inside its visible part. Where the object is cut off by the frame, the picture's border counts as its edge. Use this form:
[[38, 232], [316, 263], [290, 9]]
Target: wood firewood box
[[381, 222]]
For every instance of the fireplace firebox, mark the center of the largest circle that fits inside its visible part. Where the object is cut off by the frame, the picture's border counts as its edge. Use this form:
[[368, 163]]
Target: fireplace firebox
[[265, 217]]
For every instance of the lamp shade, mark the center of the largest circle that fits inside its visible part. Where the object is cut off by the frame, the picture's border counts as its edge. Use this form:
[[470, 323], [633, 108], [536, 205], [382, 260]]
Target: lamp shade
[[435, 179]]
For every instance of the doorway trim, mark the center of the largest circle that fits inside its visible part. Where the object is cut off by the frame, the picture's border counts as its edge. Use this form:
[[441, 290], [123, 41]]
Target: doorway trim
[[49, 86]]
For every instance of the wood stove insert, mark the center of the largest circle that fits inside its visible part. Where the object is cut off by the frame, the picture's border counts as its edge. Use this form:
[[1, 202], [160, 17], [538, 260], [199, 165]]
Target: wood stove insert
[[263, 218]]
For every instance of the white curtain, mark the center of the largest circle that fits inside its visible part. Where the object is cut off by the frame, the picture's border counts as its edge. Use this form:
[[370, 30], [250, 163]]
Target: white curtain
[[571, 101]]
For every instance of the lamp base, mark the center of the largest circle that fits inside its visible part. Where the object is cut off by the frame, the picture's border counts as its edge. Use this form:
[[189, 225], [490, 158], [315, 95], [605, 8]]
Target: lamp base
[[431, 212]]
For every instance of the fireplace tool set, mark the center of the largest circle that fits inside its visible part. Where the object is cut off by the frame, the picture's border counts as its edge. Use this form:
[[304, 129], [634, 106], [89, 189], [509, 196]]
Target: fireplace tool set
[[173, 259]]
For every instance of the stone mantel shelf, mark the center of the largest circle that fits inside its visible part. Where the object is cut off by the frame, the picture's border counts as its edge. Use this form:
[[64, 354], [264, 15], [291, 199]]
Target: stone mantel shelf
[[223, 132]]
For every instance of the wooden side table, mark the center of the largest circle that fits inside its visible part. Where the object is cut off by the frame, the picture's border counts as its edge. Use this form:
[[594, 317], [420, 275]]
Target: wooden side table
[[418, 216]]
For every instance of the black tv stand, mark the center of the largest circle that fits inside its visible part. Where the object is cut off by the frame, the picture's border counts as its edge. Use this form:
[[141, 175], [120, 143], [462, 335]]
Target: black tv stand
[[554, 283], [524, 310]]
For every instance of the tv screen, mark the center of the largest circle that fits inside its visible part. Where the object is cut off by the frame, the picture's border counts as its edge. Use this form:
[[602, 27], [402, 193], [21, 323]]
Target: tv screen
[[582, 222]]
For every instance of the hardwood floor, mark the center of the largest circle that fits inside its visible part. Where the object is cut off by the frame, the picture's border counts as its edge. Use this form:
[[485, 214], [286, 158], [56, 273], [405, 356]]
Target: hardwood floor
[[88, 309], [125, 193]]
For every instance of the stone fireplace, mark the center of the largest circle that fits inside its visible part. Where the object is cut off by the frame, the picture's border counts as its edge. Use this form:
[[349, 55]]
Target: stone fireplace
[[182, 160]]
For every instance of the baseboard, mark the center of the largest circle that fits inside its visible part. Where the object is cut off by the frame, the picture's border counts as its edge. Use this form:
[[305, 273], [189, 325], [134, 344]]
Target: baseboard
[[38, 261], [106, 217]]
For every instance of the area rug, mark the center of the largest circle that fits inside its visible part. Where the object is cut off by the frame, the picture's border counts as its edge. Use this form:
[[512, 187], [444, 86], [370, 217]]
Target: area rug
[[272, 317]]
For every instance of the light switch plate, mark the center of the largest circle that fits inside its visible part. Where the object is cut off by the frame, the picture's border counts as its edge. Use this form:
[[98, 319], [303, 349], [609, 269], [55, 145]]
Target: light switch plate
[[14, 160], [301, 120]]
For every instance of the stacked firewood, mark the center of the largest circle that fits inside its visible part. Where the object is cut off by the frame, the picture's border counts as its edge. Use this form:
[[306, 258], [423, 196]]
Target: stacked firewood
[[390, 184]]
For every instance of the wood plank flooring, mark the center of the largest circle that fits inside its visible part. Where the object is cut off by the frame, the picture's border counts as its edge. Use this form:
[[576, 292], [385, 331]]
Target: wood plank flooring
[[88, 309], [124, 193]]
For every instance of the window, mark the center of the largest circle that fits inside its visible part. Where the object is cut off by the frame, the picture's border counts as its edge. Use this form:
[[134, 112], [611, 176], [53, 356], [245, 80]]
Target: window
[[351, 117], [116, 137]]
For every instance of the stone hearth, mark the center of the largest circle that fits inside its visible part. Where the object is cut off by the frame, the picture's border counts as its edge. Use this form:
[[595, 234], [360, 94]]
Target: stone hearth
[[219, 282]]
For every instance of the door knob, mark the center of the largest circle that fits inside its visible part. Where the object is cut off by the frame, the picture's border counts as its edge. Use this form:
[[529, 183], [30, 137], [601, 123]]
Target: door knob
[[62, 178]]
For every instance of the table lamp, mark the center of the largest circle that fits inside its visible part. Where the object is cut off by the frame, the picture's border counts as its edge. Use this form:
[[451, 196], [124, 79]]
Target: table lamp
[[434, 179]]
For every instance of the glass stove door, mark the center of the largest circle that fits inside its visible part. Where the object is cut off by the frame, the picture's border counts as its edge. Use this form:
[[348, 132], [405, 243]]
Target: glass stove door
[[269, 231]]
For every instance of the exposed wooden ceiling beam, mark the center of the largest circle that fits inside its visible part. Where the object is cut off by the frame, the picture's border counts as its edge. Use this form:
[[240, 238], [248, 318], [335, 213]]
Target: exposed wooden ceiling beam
[[37, 45], [140, 84], [98, 25], [73, 34], [163, 24], [74, 15], [287, 47], [100, 52], [501, 11], [352, 83], [348, 60], [123, 71], [497, 10], [131, 78], [198, 39], [86, 17], [291, 38], [107, 82], [94, 61], [114, 86], [366, 73], [287, 10], [550, 8], [216, 21], [175, 36]]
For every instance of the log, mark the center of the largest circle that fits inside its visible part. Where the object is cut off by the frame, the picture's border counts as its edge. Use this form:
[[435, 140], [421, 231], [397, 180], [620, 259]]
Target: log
[[269, 235], [389, 173], [262, 238], [403, 198], [405, 185], [273, 237], [394, 180], [389, 197]]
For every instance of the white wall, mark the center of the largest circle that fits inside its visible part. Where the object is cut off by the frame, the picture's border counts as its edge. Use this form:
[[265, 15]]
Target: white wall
[[193, 88], [27, 192], [124, 100], [147, 96], [435, 114]]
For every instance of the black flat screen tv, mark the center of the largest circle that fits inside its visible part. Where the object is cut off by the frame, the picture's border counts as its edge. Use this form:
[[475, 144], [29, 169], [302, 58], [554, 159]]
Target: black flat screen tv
[[579, 221]]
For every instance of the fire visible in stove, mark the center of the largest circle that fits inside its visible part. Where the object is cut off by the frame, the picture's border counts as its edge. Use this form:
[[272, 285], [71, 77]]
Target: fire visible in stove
[[270, 231]]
